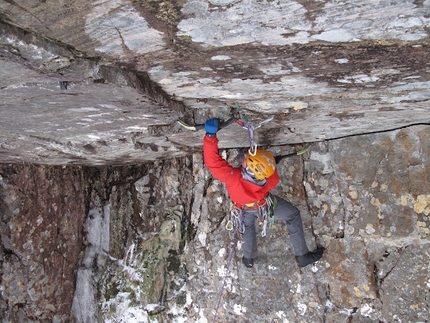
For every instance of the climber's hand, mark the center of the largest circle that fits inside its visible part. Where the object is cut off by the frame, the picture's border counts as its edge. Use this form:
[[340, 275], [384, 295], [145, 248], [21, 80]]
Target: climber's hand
[[212, 126]]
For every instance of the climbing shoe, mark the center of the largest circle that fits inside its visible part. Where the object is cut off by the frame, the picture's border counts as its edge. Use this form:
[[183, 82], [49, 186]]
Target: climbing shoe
[[310, 257], [248, 262]]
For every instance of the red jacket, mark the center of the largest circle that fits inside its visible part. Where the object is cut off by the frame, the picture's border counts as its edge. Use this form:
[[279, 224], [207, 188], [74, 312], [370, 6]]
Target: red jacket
[[239, 190]]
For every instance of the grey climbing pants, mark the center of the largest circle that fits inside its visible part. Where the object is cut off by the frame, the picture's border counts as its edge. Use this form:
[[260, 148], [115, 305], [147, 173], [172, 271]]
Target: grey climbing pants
[[284, 210]]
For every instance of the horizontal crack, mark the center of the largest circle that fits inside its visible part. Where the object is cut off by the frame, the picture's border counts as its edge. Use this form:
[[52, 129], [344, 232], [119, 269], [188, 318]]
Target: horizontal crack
[[378, 131]]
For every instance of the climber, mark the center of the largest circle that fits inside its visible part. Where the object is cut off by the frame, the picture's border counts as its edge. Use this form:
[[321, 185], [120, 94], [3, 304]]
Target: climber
[[248, 187]]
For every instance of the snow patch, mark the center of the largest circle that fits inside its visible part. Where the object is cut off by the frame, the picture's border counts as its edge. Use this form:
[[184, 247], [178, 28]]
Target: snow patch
[[239, 309], [329, 304], [221, 252], [84, 109], [220, 58], [202, 238], [366, 310], [341, 60], [335, 36], [92, 136], [302, 308], [83, 306], [126, 313], [358, 79], [282, 316]]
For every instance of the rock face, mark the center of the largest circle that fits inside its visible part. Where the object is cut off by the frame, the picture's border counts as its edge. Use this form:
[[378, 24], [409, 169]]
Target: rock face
[[42, 214], [148, 243], [107, 211], [104, 82]]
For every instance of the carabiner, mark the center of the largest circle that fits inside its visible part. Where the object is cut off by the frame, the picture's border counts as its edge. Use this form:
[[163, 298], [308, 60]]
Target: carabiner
[[253, 150], [229, 225], [264, 121]]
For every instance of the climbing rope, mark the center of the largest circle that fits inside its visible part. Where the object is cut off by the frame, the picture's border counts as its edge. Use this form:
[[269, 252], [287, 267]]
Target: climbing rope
[[233, 248], [235, 227]]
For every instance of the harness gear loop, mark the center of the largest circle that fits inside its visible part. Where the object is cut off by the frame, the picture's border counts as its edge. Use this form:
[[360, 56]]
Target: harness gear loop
[[263, 214], [272, 202]]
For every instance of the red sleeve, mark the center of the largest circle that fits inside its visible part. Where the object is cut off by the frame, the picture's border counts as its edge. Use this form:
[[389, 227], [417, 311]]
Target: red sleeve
[[218, 166], [272, 181]]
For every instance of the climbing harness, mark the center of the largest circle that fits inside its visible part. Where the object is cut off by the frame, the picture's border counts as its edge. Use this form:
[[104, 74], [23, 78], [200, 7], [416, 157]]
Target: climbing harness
[[265, 209]]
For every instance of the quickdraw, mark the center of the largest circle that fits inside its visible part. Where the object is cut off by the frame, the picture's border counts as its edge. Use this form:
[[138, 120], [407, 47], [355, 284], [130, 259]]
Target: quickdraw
[[266, 213], [235, 225], [243, 121], [250, 128]]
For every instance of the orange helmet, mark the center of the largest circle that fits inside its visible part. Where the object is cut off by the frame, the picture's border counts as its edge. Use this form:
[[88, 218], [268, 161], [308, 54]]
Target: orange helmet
[[262, 164]]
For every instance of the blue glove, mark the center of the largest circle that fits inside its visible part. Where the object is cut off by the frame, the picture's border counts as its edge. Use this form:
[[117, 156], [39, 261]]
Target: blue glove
[[211, 125]]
